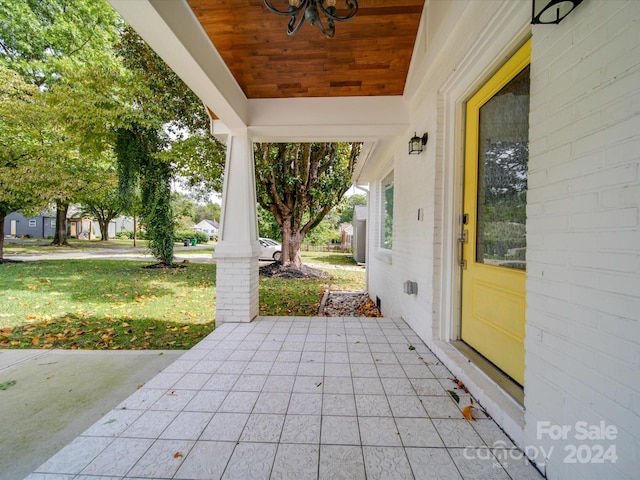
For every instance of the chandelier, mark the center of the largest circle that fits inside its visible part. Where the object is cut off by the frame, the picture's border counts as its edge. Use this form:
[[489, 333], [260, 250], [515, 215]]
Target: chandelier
[[310, 10]]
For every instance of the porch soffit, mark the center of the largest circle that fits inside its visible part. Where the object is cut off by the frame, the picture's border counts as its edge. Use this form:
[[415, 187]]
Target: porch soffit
[[237, 57], [369, 55]]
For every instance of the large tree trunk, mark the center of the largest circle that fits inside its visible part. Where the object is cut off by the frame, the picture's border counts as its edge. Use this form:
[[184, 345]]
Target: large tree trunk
[[60, 237], [291, 244], [3, 215]]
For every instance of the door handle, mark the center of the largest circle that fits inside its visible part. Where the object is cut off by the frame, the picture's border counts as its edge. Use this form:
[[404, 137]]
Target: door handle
[[462, 240]]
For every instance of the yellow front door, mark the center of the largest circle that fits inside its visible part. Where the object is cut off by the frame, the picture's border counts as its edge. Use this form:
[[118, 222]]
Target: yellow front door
[[493, 241]]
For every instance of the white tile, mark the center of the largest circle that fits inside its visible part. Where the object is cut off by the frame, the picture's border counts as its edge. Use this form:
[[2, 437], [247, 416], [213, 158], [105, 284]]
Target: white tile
[[364, 370], [312, 357], [232, 367], [417, 371], [432, 464], [311, 369], [492, 435], [478, 464], [118, 458], [301, 429], [113, 423], [406, 406], [192, 381], [162, 460], [379, 431], [338, 385], [220, 381], [251, 461], [372, 406], [361, 357], [263, 428], [225, 427], [337, 370], [249, 383], [516, 464], [174, 400], [284, 368], [341, 463], [386, 463], [337, 357], [206, 366], [206, 401], [305, 404], [308, 385], [428, 386], [150, 424], [164, 380], [441, 407], [272, 402], [258, 368], [367, 385], [338, 404], [76, 456], [397, 386], [340, 431], [457, 433], [206, 461], [385, 359], [239, 402], [289, 356], [142, 399], [418, 432], [279, 383], [391, 371], [296, 462], [187, 426]]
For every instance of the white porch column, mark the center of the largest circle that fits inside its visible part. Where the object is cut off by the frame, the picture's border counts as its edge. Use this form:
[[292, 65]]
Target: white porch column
[[237, 251]]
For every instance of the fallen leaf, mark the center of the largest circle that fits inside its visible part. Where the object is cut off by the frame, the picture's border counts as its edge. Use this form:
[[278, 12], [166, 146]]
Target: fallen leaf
[[467, 412], [454, 395], [5, 385], [178, 455], [412, 348]]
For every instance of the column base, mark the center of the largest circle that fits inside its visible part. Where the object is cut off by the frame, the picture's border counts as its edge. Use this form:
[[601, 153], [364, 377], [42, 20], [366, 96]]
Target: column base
[[236, 289]]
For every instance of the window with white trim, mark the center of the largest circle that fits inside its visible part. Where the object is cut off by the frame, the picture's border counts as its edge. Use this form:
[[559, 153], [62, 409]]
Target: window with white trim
[[386, 231], [32, 222]]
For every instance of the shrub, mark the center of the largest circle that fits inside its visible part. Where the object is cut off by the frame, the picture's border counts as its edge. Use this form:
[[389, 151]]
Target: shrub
[[201, 237]]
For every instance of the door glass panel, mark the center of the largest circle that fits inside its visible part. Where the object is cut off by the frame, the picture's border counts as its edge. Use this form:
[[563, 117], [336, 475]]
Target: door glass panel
[[502, 175]]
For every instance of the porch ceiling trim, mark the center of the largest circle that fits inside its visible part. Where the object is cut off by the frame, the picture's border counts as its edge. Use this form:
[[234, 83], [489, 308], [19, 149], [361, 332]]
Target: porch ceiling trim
[[173, 31]]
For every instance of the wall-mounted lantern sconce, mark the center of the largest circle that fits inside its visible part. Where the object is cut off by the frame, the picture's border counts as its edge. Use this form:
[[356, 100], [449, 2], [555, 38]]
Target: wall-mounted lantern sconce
[[416, 144], [552, 11]]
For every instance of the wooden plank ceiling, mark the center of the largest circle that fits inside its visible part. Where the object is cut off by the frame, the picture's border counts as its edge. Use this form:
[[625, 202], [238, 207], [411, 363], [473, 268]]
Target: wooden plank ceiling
[[369, 55]]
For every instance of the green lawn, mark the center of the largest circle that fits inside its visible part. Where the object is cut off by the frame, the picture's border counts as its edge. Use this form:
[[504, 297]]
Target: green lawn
[[110, 304]]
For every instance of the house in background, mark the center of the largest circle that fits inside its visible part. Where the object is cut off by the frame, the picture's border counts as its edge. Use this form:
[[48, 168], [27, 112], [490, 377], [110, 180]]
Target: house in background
[[17, 225], [84, 227], [346, 235], [210, 227], [514, 212]]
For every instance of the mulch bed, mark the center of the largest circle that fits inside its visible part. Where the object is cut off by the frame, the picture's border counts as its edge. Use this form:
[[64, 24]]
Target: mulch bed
[[277, 270], [349, 304]]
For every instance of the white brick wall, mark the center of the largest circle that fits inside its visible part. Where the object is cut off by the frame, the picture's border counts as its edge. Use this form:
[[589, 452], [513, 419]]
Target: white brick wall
[[583, 289], [236, 289]]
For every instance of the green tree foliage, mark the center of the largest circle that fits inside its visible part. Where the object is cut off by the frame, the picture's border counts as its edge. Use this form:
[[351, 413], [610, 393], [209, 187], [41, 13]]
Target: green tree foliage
[[208, 211], [299, 183], [44, 40], [139, 166], [22, 144], [349, 205]]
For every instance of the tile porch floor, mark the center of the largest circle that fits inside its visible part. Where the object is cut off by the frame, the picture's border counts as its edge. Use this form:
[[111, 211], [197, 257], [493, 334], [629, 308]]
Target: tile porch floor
[[295, 398]]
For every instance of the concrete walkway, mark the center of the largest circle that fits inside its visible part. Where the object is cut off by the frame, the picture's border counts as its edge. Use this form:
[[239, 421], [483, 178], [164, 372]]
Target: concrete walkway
[[295, 398], [58, 394]]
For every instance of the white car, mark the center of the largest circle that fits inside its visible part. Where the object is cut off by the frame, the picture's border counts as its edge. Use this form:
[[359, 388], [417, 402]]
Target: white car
[[270, 249]]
